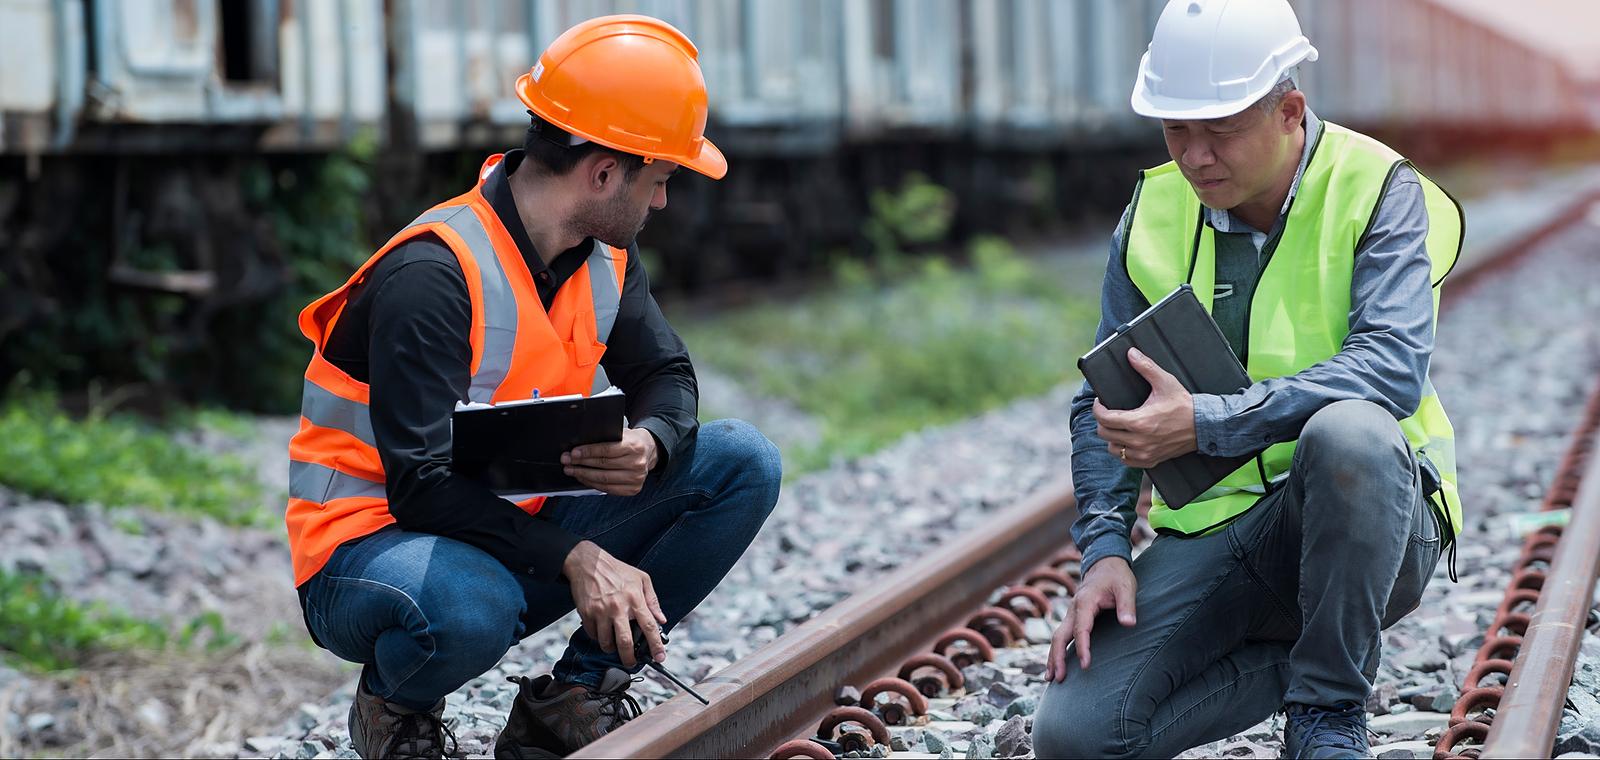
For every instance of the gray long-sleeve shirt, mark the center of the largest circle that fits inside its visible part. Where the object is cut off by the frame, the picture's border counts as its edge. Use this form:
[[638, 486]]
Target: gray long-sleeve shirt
[[1384, 359]]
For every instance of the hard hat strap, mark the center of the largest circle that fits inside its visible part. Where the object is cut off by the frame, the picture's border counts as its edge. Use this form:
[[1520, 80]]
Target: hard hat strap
[[553, 134]]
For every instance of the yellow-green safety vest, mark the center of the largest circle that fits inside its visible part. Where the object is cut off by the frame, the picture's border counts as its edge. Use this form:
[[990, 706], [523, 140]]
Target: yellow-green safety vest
[[1300, 312]]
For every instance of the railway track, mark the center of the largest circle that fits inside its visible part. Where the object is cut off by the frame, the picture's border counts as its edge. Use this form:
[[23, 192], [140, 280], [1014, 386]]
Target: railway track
[[894, 653]]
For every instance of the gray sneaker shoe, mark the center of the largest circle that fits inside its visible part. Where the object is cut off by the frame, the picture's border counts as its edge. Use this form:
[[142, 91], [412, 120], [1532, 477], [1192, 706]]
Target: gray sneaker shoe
[[553, 719], [1326, 733], [384, 729]]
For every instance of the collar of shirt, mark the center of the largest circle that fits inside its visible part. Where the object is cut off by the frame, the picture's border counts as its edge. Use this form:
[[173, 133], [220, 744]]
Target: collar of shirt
[[497, 190], [1223, 221]]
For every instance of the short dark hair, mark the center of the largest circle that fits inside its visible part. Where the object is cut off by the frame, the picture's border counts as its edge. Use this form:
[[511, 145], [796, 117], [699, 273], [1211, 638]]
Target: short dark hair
[[546, 145]]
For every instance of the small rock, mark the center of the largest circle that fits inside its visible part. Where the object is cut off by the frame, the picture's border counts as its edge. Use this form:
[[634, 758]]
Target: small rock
[[1379, 699], [847, 696], [935, 741], [878, 750], [1023, 706], [899, 743], [1424, 660], [1408, 723], [1000, 695], [1402, 707], [1037, 630], [1403, 750], [38, 723], [982, 747], [1012, 740], [973, 709], [980, 675]]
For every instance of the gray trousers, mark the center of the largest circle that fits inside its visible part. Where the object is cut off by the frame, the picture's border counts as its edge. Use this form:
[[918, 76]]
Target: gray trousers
[[1286, 604]]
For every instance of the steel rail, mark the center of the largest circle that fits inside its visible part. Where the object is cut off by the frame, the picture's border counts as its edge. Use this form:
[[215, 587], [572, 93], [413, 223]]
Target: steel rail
[[783, 689], [1508, 255], [1506, 645], [1529, 714]]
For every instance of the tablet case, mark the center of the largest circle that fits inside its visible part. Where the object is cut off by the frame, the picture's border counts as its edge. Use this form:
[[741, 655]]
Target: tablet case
[[517, 448], [1179, 335]]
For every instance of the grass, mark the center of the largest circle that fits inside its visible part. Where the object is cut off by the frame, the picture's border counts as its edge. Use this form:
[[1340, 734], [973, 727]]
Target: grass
[[119, 460], [918, 343], [44, 631]]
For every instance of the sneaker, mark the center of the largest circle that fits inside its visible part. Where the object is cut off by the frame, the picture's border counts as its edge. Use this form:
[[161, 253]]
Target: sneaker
[[1325, 733], [384, 729], [553, 719]]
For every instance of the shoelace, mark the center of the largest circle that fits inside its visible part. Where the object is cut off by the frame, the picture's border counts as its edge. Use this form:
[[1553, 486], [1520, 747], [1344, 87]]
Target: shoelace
[[420, 732], [619, 705], [1319, 725]]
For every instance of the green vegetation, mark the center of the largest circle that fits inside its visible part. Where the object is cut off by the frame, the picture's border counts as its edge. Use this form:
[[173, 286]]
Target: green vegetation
[[875, 357], [118, 460], [42, 630]]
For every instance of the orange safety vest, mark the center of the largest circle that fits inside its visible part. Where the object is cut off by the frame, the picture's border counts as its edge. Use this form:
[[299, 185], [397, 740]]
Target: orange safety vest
[[336, 480]]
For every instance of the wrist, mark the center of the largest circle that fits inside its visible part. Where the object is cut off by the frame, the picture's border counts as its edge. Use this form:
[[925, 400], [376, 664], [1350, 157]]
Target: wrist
[[579, 558]]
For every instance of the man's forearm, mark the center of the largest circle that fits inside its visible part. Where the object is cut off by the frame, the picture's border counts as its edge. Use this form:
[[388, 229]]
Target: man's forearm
[[1107, 491]]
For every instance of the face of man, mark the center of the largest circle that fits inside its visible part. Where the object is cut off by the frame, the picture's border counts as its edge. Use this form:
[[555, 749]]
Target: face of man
[[616, 215], [1236, 159]]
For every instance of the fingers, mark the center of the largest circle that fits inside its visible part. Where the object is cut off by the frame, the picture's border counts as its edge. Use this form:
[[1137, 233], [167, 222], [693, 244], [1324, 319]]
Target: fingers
[[1083, 624], [1125, 605], [1113, 419], [653, 602], [1056, 665], [651, 630], [622, 625], [605, 634], [1149, 370], [599, 454]]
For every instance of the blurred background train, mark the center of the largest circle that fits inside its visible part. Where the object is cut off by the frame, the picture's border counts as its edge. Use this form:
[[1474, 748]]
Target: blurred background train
[[136, 126]]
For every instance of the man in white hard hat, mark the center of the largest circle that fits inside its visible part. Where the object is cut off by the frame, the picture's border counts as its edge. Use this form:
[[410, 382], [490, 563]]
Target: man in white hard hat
[[1319, 252]]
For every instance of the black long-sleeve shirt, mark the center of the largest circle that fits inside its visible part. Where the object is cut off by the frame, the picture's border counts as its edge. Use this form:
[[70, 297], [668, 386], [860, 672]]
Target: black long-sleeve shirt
[[404, 332]]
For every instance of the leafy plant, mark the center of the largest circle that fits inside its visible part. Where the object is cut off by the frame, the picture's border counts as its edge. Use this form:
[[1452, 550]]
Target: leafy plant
[[874, 361], [46, 631], [118, 460]]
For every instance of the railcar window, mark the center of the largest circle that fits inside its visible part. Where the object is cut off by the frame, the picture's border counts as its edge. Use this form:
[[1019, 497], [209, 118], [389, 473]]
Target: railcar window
[[249, 41]]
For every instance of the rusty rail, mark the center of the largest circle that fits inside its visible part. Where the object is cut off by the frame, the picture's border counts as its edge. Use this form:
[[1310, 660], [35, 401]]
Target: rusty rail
[[1537, 651], [1508, 255], [1530, 710], [785, 688]]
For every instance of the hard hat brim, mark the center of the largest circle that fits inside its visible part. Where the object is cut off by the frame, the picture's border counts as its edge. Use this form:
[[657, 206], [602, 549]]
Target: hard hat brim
[[1160, 107], [710, 162]]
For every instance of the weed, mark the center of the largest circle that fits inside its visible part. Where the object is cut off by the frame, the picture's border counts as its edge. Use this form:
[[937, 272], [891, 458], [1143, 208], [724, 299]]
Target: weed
[[46, 631], [118, 460], [873, 360]]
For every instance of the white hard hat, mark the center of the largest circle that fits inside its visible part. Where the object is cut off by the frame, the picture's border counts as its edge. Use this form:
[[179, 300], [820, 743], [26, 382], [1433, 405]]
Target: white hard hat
[[1213, 58]]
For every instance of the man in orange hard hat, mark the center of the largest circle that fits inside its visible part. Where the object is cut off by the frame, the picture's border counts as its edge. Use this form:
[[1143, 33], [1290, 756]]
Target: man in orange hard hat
[[527, 283]]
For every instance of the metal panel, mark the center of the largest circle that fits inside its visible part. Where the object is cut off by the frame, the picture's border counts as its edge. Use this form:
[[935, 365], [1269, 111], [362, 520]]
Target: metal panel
[[28, 56]]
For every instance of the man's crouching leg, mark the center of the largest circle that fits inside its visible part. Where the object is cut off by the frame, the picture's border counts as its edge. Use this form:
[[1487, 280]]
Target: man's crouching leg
[[686, 528], [1368, 545], [425, 615]]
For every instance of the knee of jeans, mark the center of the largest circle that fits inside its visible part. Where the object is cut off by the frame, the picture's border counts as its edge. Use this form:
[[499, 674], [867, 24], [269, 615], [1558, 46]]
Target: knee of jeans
[[1353, 439], [753, 459], [1076, 721], [477, 627]]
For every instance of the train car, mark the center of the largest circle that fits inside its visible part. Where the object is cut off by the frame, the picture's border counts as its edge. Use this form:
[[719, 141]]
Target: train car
[[816, 101]]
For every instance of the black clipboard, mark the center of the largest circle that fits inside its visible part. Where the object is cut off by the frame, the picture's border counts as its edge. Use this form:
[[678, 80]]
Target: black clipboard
[[516, 447], [1179, 335]]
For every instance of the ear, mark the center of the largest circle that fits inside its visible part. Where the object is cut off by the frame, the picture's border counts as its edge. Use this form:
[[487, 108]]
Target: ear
[[601, 173], [1292, 111]]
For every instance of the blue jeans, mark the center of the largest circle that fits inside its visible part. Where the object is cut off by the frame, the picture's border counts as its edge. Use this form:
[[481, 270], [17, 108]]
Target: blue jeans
[[1286, 604], [426, 614]]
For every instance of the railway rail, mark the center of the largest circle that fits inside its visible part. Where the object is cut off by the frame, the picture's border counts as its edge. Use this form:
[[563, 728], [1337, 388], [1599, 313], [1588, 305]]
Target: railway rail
[[900, 646]]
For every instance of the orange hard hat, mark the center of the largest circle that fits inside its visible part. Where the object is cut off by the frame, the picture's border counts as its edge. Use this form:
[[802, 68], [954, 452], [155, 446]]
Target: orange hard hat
[[627, 82]]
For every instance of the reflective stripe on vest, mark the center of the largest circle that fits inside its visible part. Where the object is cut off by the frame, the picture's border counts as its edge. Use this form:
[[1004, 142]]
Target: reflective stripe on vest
[[1299, 313], [337, 488]]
